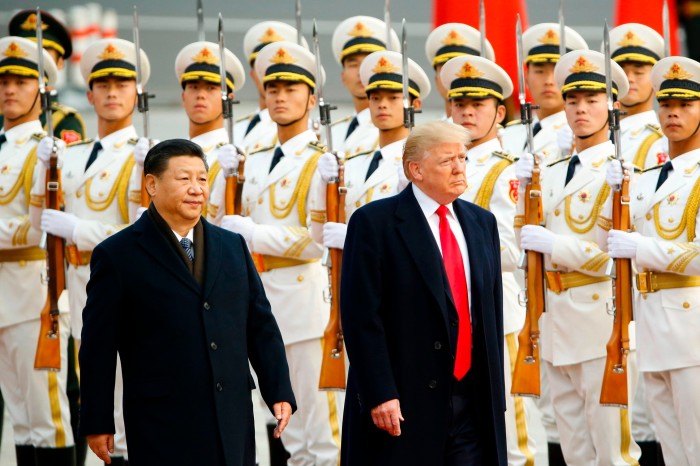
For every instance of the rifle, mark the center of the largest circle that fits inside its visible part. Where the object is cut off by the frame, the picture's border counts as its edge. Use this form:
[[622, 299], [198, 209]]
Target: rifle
[[143, 97], [482, 28], [201, 36], [48, 348], [526, 375], [234, 178], [333, 363], [387, 22], [408, 110], [614, 389]]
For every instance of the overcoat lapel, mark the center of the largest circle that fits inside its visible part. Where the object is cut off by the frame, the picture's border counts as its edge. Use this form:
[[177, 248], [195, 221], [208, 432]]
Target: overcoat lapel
[[213, 243], [475, 247]]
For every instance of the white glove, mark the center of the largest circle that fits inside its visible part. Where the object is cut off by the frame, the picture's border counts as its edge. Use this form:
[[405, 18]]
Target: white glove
[[403, 181], [244, 226], [537, 238], [141, 149], [140, 212], [613, 174], [334, 235], [623, 245], [58, 223], [524, 167], [565, 139], [44, 148], [229, 157], [327, 167]]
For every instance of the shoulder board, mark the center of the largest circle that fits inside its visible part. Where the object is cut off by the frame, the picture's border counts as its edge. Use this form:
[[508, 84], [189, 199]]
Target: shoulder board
[[221, 144], [262, 149], [133, 141], [342, 120], [505, 155], [656, 129], [655, 167], [357, 154], [563, 159], [65, 109], [316, 145], [81, 142], [38, 136], [513, 123], [245, 117]]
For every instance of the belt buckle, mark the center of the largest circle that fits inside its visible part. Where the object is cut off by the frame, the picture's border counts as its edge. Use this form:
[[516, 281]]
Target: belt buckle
[[554, 282], [646, 282]]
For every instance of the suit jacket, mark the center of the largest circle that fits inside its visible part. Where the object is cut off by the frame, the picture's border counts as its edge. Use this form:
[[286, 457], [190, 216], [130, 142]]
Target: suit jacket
[[400, 328], [184, 348]]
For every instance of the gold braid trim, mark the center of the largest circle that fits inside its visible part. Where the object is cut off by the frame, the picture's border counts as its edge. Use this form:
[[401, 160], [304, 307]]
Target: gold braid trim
[[518, 221], [301, 191], [596, 263], [120, 187], [641, 157], [687, 221], [24, 180], [605, 223], [213, 172], [679, 264], [585, 225], [483, 196]]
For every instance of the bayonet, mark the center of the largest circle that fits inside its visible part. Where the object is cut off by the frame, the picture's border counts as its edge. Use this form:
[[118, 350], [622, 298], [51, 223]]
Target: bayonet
[[142, 95], [200, 21], [482, 27], [667, 30], [525, 107], [323, 107], [226, 100], [613, 113], [387, 22], [408, 110], [562, 30], [297, 16], [41, 69]]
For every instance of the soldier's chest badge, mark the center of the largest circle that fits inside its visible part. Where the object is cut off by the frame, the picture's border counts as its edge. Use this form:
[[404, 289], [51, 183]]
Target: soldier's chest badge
[[252, 180], [5, 169], [104, 175], [385, 188], [661, 158], [70, 136], [672, 199], [513, 193], [285, 182], [584, 196]]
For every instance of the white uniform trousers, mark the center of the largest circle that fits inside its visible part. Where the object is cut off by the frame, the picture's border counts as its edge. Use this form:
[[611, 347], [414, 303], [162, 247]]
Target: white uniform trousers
[[544, 404], [591, 434], [643, 429], [519, 440], [261, 417], [313, 434], [674, 399], [36, 400]]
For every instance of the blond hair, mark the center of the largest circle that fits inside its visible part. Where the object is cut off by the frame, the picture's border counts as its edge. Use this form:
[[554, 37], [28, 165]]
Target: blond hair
[[425, 137]]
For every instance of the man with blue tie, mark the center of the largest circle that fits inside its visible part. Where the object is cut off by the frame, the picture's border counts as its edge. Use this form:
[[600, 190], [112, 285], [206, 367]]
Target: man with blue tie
[[421, 306]]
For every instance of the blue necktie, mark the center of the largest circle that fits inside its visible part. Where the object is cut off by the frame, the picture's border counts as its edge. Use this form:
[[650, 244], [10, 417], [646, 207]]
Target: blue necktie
[[187, 246], [252, 124], [374, 164], [93, 154], [352, 127], [663, 174], [3, 139], [276, 158], [571, 169]]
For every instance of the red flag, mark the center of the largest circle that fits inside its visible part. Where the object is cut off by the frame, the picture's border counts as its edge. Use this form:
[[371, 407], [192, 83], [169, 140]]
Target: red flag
[[629, 11]]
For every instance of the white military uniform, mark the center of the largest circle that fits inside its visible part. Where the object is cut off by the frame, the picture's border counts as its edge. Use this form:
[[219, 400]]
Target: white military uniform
[[515, 136], [364, 139], [576, 325], [668, 323], [640, 138], [209, 142], [36, 399]]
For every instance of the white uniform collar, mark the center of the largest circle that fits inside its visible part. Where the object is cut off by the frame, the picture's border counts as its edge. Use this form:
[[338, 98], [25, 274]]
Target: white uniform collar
[[487, 147], [298, 142], [553, 120], [593, 154], [639, 120], [211, 138], [120, 135], [21, 131], [393, 150], [363, 117], [686, 161]]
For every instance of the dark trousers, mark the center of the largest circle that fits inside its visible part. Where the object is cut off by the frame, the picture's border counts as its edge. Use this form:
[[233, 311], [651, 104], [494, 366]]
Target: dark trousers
[[463, 446]]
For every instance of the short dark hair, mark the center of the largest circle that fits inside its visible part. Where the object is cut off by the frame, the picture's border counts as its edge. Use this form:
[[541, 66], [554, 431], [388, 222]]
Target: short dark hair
[[156, 161]]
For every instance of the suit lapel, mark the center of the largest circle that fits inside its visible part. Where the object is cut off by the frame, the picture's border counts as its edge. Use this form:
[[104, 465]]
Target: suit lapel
[[476, 244]]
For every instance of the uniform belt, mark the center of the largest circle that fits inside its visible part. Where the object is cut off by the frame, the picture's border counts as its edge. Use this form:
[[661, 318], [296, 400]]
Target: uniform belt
[[562, 281], [33, 253], [77, 258], [265, 263], [650, 282]]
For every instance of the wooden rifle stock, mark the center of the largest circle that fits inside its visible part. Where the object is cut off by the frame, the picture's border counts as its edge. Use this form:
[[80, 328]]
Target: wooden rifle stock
[[145, 198], [614, 389], [526, 376], [234, 189], [48, 348], [333, 362]]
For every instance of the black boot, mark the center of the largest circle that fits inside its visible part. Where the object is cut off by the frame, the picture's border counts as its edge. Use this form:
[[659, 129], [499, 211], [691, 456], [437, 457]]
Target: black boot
[[650, 454], [556, 457], [660, 455], [55, 456], [2, 416], [118, 461], [25, 455], [73, 393]]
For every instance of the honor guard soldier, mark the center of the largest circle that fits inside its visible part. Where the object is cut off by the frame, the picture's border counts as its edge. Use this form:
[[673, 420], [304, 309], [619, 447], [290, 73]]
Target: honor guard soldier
[[68, 124], [378, 174], [276, 203], [541, 47], [574, 326], [95, 178], [476, 88], [636, 48], [36, 399], [448, 41], [260, 131], [664, 211], [354, 39]]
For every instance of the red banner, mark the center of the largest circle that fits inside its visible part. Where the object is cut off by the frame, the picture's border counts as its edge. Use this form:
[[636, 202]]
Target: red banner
[[631, 11]]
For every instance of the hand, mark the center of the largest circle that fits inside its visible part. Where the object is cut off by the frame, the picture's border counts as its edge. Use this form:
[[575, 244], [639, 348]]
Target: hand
[[334, 235], [283, 411], [614, 172], [58, 223], [244, 226], [524, 167], [45, 148], [141, 149], [623, 245], [101, 445], [565, 139], [327, 167], [537, 238], [403, 180], [387, 416], [229, 157]]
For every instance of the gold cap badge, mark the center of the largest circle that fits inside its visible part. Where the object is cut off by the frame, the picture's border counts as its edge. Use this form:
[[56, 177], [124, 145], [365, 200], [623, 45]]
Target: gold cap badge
[[583, 66], [384, 66], [111, 53], [205, 56], [469, 71], [676, 71], [282, 57]]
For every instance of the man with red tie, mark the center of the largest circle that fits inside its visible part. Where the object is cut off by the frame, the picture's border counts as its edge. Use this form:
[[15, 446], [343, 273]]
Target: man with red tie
[[421, 307]]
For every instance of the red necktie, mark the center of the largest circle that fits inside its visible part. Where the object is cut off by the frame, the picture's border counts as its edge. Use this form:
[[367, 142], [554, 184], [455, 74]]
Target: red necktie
[[454, 266]]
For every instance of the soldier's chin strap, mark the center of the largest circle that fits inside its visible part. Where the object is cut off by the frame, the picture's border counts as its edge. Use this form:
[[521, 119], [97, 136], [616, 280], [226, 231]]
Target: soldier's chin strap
[[602, 128], [208, 121], [641, 102], [476, 140], [305, 115], [36, 99]]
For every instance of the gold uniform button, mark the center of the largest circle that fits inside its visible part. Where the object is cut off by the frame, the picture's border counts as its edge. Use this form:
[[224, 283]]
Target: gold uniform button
[[260, 200], [300, 278], [79, 194], [357, 204], [595, 297], [670, 220], [686, 305], [22, 263], [556, 212], [648, 216]]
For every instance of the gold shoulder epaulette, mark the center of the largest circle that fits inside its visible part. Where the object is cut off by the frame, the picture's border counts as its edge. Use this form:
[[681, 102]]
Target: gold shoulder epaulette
[[317, 145], [342, 120], [221, 144], [513, 123], [656, 129], [133, 141], [562, 159], [38, 136], [81, 142], [655, 167], [245, 117], [262, 149], [357, 154], [505, 155], [65, 109]]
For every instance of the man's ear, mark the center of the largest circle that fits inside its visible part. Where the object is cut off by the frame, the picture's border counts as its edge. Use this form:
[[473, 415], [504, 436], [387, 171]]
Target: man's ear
[[151, 184], [500, 113], [417, 103], [414, 169]]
